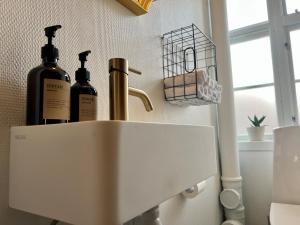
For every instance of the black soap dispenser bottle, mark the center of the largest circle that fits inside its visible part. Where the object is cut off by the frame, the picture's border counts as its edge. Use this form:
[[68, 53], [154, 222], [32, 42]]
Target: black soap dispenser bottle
[[83, 94], [48, 87]]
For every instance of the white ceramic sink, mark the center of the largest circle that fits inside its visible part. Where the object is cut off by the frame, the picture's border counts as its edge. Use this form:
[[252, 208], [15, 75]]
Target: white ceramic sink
[[105, 172]]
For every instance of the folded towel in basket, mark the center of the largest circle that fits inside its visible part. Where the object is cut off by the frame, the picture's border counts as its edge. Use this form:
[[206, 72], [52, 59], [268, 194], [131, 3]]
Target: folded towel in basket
[[188, 91], [205, 92], [185, 79]]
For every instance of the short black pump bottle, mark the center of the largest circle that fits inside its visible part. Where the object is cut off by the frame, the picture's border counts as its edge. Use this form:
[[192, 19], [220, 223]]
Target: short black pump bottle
[[83, 94], [48, 87]]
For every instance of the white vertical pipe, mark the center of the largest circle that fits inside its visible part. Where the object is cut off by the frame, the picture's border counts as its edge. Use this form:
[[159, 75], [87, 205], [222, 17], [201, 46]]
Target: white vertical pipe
[[231, 196], [227, 127]]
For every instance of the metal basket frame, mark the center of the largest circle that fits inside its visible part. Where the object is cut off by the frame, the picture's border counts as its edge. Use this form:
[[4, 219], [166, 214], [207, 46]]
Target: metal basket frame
[[187, 50]]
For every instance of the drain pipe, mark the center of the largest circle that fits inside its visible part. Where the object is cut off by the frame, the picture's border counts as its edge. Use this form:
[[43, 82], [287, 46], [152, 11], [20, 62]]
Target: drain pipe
[[231, 196]]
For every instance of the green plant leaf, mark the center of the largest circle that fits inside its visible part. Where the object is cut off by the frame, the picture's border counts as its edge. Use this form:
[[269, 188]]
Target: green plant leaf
[[251, 121], [262, 119], [255, 119]]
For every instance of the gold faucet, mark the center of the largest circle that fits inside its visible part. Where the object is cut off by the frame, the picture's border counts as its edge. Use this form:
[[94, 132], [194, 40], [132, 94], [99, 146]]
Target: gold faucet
[[119, 90]]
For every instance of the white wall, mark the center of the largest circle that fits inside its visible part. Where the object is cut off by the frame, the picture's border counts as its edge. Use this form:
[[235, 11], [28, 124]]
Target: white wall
[[109, 30], [256, 160]]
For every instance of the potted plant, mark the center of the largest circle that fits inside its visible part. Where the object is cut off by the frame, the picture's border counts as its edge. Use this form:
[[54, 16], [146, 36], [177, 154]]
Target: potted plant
[[256, 132]]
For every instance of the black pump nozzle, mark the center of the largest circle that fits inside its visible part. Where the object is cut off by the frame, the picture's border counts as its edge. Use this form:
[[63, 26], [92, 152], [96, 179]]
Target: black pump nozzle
[[82, 74], [49, 52], [83, 57], [50, 32]]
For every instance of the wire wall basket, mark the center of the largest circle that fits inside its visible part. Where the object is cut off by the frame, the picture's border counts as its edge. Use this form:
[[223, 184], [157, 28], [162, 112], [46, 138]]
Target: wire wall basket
[[190, 67]]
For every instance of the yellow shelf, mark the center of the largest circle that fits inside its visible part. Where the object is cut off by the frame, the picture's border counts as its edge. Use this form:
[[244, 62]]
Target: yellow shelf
[[134, 6]]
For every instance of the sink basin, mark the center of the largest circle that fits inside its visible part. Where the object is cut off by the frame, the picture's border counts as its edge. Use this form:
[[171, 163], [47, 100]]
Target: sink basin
[[105, 172]]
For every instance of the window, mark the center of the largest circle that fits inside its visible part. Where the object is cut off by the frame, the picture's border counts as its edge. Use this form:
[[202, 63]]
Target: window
[[292, 6], [253, 83], [252, 63], [259, 101], [295, 44], [246, 12], [265, 55]]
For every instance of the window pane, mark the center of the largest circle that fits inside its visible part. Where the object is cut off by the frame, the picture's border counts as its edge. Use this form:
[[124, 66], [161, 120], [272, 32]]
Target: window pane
[[292, 6], [243, 13], [252, 63], [298, 97], [258, 101], [295, 37]]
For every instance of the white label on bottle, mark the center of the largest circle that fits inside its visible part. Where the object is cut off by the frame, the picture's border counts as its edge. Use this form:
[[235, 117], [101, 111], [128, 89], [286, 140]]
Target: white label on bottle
[[87, 107], [56, 99]]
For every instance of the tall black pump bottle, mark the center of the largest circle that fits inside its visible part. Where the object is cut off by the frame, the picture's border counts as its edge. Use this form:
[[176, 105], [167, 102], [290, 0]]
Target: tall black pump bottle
[[48, 87], [83, 94]]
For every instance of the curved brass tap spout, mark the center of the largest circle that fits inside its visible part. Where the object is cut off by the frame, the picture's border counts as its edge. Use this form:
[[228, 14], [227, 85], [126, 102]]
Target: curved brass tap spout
[[119, 90], [143, 96]]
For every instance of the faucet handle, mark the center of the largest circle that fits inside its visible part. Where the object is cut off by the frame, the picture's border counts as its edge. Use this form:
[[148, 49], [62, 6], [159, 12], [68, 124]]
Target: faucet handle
[[121, 65], [134, 71]]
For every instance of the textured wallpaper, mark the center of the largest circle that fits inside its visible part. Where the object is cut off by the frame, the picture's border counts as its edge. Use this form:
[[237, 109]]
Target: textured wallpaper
[[108, 30]]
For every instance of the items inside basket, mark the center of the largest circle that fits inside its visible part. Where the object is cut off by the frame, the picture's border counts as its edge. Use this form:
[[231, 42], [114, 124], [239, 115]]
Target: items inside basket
[[193, 85], [190, 69]]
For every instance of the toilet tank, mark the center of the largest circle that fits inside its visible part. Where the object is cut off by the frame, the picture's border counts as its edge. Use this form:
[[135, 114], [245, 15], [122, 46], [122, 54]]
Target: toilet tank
[[286, 173]]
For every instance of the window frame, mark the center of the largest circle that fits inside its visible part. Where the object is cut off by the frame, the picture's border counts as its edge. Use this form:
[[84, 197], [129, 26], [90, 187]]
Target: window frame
[[284, 7], [278, 28]]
